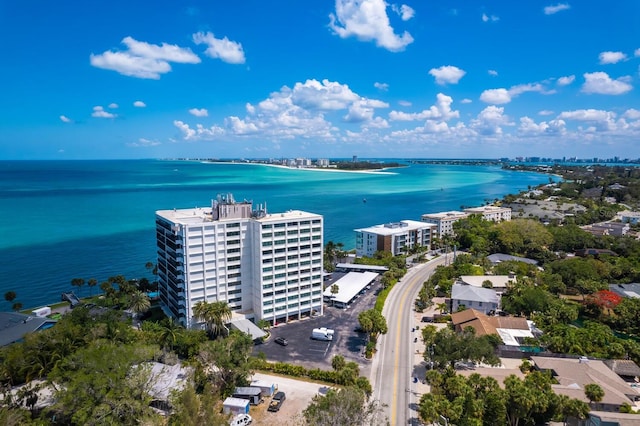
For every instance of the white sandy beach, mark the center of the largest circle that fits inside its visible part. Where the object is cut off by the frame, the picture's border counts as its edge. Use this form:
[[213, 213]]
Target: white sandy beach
[[312, 169]]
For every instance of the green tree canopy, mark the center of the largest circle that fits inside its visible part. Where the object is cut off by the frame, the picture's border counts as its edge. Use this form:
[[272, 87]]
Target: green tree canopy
[[346, 406]]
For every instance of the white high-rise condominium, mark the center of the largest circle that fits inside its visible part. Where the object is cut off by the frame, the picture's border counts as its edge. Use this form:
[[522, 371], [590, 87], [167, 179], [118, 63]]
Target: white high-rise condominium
[[265, 266]]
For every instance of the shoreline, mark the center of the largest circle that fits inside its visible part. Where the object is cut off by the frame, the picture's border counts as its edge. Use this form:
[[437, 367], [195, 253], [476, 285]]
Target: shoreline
[[313, 169]]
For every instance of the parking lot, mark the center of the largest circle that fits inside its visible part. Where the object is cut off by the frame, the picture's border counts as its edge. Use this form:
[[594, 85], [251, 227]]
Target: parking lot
[[302, 350]]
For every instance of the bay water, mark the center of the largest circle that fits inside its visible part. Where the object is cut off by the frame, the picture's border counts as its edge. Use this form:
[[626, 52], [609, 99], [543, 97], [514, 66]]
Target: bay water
[[61, 220]]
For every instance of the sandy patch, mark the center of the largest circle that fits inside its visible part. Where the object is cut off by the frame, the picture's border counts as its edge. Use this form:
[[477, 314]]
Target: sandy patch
[[299, 394]]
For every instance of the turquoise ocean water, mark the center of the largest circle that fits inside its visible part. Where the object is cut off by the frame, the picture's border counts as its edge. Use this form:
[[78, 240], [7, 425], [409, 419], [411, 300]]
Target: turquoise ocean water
[[94, 219]]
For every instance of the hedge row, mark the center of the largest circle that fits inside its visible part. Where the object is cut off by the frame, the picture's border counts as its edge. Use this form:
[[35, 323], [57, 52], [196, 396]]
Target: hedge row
[[285, 369]]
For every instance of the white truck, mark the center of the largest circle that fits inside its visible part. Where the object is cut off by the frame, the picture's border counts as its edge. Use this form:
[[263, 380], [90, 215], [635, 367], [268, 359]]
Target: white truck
[[322, 333]]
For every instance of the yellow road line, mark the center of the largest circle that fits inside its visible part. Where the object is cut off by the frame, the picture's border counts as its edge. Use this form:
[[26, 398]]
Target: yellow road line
[[394, 402]]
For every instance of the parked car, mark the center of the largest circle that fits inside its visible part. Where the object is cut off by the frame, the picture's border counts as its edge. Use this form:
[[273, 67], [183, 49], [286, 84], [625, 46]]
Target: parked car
[[281, 341], [277, 401], [427, 319]]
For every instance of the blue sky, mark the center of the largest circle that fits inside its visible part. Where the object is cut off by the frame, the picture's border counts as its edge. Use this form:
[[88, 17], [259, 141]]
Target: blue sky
[[260, 79]]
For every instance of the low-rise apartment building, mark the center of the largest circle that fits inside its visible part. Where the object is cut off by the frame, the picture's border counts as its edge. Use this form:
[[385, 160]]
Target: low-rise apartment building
[[396, 237], [492, 213], [444, 221]]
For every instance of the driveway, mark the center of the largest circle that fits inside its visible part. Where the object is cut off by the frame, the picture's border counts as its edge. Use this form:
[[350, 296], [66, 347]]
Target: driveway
[[302, 350]]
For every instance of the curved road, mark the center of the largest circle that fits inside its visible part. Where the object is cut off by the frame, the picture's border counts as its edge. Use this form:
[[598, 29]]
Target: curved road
[[392, 367]]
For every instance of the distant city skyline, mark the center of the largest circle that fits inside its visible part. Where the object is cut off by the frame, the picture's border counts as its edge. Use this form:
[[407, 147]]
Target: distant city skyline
[[331, 79]]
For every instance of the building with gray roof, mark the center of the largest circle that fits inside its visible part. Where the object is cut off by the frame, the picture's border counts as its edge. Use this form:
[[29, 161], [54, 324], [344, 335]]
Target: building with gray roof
[[501, 257], [478, 298], [14, 326], [626, 290]]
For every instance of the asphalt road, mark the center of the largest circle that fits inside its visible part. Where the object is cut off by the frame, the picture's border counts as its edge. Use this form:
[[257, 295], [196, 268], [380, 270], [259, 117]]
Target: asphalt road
[[391, 372]]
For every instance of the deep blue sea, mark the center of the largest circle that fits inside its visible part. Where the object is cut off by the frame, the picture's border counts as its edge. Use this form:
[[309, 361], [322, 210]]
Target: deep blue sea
[[93, 219]]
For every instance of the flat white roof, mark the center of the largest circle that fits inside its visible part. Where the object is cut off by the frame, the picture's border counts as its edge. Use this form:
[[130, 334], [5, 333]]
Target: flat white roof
[[349, 286], [509, 336], [487, 209], [394, 228], [199, 215], [499, 281], [356, 266], [187, 216], [453, 214], [291, 214]]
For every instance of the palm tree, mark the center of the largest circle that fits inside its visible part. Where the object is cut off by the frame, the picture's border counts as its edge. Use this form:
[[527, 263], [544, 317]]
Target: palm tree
[[214, 315], [10, 296], [169, 333], [335, 289], [593, 392], [92, 283], [78, 282], [139, 302]]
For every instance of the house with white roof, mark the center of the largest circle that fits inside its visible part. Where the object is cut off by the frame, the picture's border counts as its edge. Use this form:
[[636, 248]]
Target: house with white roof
[[499, 283]]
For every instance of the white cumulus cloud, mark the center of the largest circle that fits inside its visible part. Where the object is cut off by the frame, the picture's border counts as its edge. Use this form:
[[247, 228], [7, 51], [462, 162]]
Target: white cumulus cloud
[[199, 112], [490, 120], [367, 20], [144, 143], [565, 81], [381, 86], [405, 12], [632, 114], [65, 119], [545, 112], [504, 96], [496, 96], [601, 83], [447, 74], [325, 95], [99, 112], [113, 105], [224, 49], [493, 73], [528, 127], [143, 60], [187, 132], [489, 18], [298, 112], [636, 53], [611, 57], [139, 104], [553, 9], [466, 101], [441, 111]]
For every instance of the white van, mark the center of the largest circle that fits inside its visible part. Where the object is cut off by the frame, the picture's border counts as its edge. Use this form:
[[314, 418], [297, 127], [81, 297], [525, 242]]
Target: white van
[[322, 334], [241, 420]]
